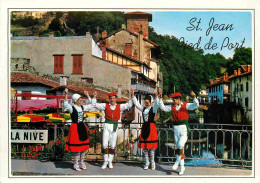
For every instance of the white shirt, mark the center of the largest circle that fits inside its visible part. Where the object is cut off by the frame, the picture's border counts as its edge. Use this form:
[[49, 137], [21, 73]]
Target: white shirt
[[102, 106], [168, 108], [146, 111], [69, 108]]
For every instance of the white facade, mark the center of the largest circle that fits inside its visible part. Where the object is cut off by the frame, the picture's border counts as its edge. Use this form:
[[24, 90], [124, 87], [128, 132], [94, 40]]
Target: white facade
[[36, 90], [241, 93]]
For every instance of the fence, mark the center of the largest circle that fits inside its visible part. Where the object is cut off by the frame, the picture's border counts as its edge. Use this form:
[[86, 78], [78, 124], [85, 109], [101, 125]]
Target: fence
[[207, 145]]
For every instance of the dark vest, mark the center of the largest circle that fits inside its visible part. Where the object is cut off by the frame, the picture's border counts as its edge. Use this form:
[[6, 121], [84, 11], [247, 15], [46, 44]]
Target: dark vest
[[151, 115], [146, 126], [81, 127], [74, 115]]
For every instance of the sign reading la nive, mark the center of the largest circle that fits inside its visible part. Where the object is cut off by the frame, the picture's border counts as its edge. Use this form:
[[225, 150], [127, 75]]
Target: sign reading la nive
[[29, 136]]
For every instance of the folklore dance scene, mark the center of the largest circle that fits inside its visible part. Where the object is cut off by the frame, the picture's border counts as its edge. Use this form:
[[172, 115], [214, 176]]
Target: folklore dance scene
[[127, 93]]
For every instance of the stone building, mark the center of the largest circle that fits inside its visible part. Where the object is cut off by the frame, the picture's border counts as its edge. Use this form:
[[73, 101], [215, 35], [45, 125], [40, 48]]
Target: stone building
[[76, 58], [130, 47]]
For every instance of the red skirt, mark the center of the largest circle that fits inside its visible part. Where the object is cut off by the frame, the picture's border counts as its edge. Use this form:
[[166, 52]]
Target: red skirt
[[152, 141], [73, 144]]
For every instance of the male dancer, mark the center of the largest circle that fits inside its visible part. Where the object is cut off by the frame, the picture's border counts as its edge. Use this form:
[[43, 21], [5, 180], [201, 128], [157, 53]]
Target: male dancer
[[180, 117], [112, 115]]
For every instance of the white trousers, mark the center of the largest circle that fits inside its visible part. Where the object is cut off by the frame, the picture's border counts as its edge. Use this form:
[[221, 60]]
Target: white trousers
[[109, 136], [180, 135]]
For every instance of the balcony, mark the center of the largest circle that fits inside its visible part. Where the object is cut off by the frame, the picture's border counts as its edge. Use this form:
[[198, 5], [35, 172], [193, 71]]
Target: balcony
[[141, 87]]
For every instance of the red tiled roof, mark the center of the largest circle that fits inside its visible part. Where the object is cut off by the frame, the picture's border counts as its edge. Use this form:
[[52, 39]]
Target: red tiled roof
[[244, 67], [23, 77], [246, 72], [131, 32], [101, 95], [242, 74]]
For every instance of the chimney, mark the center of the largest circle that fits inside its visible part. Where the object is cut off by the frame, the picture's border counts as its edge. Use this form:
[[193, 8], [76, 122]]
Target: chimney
[[103, 49], [140, 45], [238, 72], [51, 34], [146, 35], [249, 67], [119, 93], [123, 26], [36, 34], [235, 72], [63, 80], [128, 49], [104, 34], [87, 33]]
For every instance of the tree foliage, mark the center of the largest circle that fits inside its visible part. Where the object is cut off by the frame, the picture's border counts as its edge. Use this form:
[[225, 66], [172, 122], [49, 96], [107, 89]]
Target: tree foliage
[[82, 22], [242, 56]]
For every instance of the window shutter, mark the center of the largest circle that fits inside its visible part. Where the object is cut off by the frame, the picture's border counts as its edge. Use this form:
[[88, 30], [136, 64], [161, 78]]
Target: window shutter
[[58, 64], [77, 64], [55, 65]]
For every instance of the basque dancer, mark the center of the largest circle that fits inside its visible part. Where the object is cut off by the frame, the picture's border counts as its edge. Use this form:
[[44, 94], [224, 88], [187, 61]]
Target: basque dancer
[[112, 115], [78, 137], [148, 140], [180, 117]]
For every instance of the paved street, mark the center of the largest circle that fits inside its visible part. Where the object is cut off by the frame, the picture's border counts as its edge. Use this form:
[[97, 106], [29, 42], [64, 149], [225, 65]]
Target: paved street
[[35, 167]]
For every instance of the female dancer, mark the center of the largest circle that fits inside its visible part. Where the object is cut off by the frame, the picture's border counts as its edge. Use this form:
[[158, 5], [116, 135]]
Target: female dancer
[[78, 138], [148, 140]]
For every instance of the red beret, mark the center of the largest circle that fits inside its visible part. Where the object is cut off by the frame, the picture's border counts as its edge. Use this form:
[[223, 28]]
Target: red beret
[[177, 94], [112, 94]]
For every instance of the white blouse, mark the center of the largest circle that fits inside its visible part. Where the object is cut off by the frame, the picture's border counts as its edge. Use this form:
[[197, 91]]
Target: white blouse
[[69, 108], [146, 111]]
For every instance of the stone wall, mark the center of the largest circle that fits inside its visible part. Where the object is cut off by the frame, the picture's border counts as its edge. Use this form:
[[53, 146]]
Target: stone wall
[[40, 52]]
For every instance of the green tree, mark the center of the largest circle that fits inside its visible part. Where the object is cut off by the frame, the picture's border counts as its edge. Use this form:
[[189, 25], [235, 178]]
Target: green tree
[[242, 56]]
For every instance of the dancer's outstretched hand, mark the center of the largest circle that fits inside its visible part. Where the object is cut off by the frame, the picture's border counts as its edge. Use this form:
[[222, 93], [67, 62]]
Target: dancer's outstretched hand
[[192, 94], [132, 93], [86, 93], [160, 95], [95, 94], [155, 93], [66, 91]]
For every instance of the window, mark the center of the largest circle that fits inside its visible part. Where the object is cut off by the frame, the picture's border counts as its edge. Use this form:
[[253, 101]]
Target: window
[[77, 64], [87, 80], [58, 64], [241, 87], [246, 101], [247, 86], [26, 92]]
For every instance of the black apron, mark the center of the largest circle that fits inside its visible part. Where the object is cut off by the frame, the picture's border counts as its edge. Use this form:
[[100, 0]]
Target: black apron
[[146, 126], [81, 127]]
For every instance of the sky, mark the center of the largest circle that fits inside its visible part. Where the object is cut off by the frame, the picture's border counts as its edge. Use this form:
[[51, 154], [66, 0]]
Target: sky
[[237, 27]]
